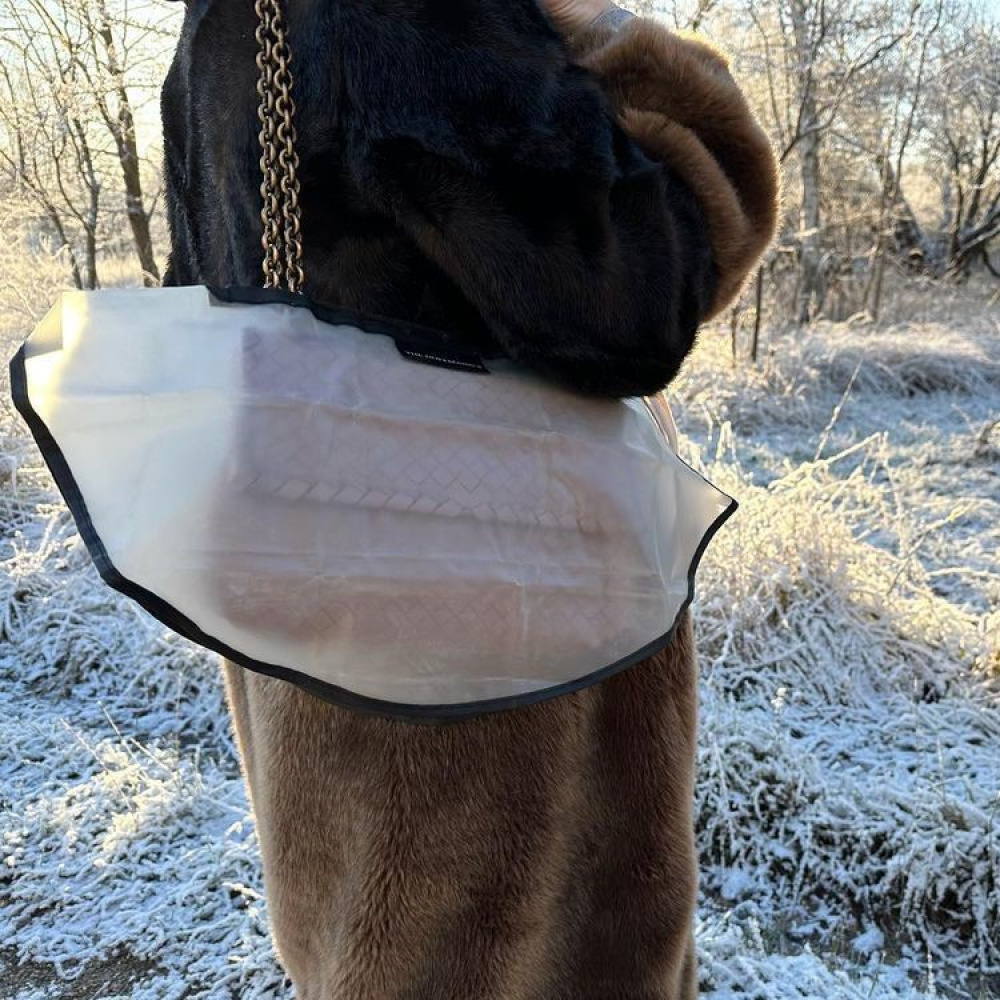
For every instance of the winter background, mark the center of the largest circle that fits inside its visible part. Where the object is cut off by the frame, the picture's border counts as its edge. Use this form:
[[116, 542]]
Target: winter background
[[848, 800]]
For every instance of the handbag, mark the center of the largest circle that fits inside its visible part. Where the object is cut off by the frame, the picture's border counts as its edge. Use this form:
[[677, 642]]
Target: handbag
[[352, 503]]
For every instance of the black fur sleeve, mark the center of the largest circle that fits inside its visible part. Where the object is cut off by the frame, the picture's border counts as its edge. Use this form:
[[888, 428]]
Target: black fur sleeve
[[504, 163]]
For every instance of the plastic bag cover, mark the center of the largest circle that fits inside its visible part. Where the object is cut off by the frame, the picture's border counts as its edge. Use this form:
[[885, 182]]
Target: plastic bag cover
[[281, 484]]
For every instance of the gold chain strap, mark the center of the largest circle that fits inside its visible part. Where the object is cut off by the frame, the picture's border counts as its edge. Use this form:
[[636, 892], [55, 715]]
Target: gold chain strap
[[279, 161]]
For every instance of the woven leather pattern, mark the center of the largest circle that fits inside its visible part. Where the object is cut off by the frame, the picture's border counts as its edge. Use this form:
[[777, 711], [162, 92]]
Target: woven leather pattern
[[381, 437], [472, 453]]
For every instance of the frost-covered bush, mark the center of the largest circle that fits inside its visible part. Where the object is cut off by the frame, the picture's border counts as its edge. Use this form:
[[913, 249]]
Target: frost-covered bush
[[849, 726]]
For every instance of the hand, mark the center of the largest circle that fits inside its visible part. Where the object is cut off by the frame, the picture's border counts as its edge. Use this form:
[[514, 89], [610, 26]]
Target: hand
[[571, 16]]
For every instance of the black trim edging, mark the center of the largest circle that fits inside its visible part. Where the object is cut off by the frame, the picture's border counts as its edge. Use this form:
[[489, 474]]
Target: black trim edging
[[421, 344]]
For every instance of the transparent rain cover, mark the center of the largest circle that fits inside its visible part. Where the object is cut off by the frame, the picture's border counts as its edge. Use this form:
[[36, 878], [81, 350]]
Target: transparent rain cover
[[351, 504]]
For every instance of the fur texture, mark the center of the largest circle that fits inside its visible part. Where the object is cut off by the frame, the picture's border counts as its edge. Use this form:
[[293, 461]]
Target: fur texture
[[540, 854], [676, 97], [457, 170], [460, 170]]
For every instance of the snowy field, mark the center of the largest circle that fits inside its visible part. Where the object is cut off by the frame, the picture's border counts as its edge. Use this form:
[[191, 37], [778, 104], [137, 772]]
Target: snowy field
[[849, 792]]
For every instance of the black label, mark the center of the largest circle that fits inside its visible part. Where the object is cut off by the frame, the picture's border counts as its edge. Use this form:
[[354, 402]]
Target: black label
[[443, 359]]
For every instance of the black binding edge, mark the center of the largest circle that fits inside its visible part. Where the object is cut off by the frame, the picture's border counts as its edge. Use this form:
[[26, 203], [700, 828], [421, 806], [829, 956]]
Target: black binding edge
[[173, 619], [421, 344]]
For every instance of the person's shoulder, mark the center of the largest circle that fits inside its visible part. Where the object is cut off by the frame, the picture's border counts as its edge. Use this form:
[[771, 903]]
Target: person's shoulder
[[489, 79]]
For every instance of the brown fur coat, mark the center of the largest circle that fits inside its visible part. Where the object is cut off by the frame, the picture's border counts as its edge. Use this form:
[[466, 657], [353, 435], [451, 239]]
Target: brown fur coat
[[545, 853], [541, 854]]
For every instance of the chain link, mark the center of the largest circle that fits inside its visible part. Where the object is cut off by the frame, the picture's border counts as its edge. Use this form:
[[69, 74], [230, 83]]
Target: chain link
[[281, 213]]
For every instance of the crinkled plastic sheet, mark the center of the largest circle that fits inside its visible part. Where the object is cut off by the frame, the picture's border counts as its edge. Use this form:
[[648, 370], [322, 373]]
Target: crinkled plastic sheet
[[281, 484]]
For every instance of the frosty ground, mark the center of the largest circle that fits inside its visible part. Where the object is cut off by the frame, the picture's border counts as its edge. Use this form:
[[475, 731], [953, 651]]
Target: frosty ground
[[849, 783]]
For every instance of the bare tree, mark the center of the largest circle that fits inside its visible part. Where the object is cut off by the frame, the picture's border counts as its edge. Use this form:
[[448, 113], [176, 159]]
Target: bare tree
[[831, 52], [75, 73], [950, 92], [965, 134], [807, 35], [47, 148], [108, 84], [896, 225]]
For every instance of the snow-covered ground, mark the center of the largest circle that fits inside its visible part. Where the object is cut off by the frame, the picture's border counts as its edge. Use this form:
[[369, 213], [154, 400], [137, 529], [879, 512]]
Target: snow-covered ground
[[849, 793]]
